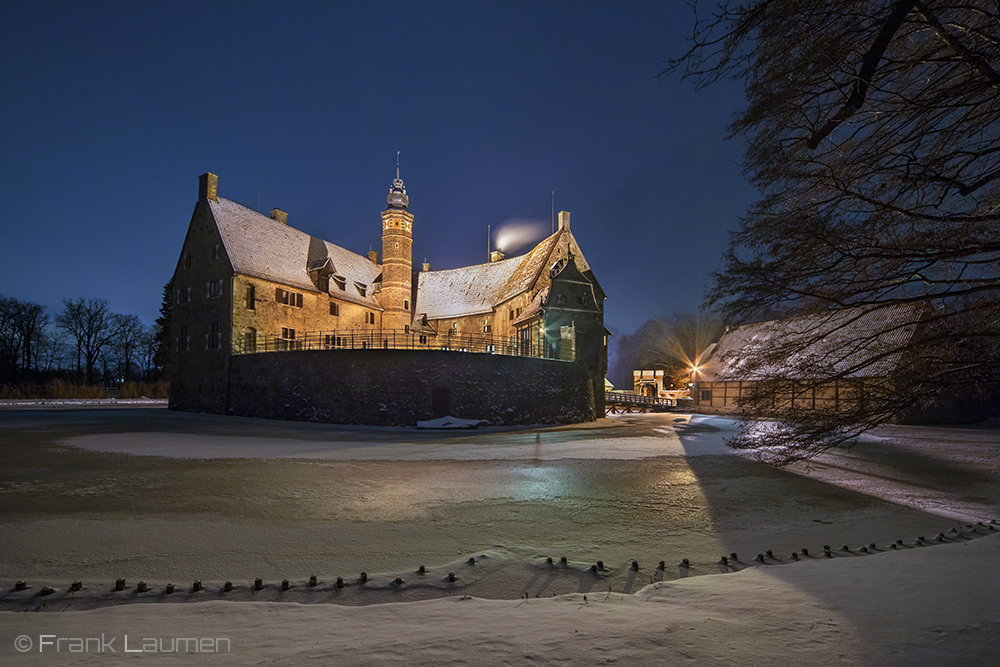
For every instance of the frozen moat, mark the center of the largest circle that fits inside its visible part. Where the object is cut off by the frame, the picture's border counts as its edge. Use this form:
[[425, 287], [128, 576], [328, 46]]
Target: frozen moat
[[148, 494]]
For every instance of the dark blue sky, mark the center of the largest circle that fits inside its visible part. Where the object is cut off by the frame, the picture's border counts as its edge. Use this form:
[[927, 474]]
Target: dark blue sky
[[111, 110]]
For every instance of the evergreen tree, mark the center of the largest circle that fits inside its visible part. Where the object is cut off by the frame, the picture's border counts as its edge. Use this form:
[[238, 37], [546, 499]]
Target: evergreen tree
[[164, 337]]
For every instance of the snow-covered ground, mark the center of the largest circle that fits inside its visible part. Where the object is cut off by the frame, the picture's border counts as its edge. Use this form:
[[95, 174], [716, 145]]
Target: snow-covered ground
[[919, 606], [933, 604]]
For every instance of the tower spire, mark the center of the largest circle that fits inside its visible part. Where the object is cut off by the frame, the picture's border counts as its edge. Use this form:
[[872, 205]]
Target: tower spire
[[397, 193]]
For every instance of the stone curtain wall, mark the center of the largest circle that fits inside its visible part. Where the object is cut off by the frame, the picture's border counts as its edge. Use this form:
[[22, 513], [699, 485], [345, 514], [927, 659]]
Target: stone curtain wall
[[401, 387]]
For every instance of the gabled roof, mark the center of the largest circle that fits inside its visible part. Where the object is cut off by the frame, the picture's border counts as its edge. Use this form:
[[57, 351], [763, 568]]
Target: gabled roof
[[534, 308], [853, 343], [264, 248], [477, 289]]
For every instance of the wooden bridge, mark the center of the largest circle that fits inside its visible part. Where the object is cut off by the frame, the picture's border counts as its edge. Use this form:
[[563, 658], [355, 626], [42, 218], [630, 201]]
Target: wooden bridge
[[619, 402]]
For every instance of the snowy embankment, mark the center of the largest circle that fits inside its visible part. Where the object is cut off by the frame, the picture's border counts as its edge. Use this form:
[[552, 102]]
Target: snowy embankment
[[927, 605]]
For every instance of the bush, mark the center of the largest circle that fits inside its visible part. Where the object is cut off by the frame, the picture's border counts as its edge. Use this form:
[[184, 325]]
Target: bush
[[159, 389], [61, 389]]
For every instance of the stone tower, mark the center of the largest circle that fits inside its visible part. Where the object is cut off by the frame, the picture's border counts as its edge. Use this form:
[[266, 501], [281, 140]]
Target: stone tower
[[397, 258]]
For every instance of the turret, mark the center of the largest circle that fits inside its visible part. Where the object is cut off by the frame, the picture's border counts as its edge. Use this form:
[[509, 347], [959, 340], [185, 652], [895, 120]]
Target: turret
[[397, 257]]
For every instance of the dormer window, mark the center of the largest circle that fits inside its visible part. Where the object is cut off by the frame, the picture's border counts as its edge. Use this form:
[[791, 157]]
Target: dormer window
[[340, 281], [319, 271], [361, 287]]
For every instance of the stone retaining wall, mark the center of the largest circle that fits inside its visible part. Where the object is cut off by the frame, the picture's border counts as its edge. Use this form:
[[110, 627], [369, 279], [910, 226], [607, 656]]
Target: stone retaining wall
[[401, 387]]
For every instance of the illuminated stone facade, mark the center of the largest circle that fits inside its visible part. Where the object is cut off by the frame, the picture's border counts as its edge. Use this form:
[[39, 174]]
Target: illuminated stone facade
[[247, 283]]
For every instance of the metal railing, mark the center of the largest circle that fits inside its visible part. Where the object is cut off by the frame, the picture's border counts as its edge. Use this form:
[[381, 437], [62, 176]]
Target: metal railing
[[625, 398], [394, 339]]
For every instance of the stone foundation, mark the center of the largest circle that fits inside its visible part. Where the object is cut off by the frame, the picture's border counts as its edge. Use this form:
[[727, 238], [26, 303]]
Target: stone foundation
[[401, 387]]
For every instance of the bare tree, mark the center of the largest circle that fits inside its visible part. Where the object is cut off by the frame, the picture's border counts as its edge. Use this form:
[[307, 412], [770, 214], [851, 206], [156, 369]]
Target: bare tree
[[675, 344], [147, 352], [52, 350], [125, 344], [873, 134], [21, 324], [92, 325]]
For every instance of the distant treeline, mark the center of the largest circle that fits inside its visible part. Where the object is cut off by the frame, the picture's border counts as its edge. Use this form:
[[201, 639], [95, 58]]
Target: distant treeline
[[84, 348]]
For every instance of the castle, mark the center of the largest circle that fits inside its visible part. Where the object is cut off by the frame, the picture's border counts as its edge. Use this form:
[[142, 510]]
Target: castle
[[270, 321]]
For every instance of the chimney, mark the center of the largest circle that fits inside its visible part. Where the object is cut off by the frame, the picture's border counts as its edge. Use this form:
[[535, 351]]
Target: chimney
[[373, 256], [563, 219], [495, 256], [279, 215], [208, 185], [427, 266]]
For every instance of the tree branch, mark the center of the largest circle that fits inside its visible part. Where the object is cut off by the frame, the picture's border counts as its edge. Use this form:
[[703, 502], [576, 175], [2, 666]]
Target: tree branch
[[977, 63], [868, 66]]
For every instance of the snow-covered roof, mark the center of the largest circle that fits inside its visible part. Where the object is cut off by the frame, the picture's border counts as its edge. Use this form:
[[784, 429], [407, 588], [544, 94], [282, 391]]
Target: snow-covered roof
[[534, 308], [264, 248], [856, 343], [472, 290]]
